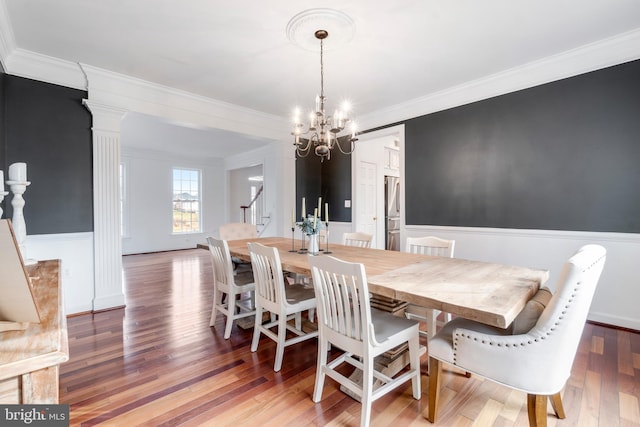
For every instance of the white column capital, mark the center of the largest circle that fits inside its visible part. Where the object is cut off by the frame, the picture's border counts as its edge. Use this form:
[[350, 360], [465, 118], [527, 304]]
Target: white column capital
[[106, 118]]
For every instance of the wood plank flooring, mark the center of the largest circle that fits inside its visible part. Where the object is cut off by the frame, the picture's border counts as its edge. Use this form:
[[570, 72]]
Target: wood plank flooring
[[158, 363]]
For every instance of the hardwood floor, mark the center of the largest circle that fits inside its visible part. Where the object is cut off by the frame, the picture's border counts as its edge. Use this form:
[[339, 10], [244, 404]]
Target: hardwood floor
[[158, 363]]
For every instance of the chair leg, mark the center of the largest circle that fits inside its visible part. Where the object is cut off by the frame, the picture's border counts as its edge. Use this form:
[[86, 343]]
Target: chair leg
[[320, 375], [537, 409], [434, 388], [367, 390], [556, 404], [256, 329], [230, 313], [414, 355], [282, 336], [212, 320]]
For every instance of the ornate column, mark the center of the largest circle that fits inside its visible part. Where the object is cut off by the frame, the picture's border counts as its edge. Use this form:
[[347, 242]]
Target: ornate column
[[108, 287]]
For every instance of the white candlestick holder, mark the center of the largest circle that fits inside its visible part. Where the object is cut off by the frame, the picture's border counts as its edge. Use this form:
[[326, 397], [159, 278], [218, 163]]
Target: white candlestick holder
[[19, 226]]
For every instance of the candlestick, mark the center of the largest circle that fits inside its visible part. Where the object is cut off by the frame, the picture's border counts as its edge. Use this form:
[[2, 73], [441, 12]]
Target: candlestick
[[327, 251], [19, 227], [293, 244]]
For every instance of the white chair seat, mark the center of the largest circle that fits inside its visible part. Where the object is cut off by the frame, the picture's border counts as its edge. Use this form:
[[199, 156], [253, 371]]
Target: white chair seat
[[441, 345], [300, 295], [386, 325]]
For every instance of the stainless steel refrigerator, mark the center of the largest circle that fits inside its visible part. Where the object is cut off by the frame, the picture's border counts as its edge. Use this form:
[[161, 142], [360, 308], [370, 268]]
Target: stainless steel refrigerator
[[392, 212]]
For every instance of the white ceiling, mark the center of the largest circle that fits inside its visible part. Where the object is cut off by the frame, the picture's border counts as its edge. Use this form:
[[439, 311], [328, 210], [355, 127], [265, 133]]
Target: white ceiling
[[238, 51]]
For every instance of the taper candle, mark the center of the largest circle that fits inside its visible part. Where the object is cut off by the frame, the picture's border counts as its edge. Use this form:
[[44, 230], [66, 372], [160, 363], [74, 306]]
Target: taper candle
[[326, 212], [304, 209], [319, 206], [18, 172], [1, 181], [293, 217], [315, 217]]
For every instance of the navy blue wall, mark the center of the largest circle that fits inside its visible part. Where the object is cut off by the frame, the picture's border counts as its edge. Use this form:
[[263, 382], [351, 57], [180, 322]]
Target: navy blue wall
[[560, 156], [47, 127]]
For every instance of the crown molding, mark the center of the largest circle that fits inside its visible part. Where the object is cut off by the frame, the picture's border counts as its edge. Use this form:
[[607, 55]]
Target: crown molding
[[133, 94], [35, 66], [7, 41], [615, 50]]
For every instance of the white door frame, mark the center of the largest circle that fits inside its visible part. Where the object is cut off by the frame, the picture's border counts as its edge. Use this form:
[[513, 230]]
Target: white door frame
[[398, 132]]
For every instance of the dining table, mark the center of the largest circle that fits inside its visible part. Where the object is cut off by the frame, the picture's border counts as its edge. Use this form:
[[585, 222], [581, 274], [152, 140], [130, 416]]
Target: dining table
[[486, 292]]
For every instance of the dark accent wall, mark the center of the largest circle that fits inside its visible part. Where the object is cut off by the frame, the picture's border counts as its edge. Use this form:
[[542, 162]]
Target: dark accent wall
[[330, 180], [560, 156], [47, 127]]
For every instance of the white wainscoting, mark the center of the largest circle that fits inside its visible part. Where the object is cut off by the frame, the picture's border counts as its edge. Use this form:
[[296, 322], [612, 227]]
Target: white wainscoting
[[618, 294], [75, 250]]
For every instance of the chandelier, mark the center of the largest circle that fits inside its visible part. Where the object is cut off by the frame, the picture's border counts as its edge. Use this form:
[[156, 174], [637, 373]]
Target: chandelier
[[323, 131]]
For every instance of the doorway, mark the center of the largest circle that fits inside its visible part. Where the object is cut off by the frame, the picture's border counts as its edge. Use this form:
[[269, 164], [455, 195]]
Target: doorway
[[380, 153], [245, 195]]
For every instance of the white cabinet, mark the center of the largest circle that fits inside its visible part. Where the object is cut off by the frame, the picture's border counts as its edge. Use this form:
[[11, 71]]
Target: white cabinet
[[392, 158]]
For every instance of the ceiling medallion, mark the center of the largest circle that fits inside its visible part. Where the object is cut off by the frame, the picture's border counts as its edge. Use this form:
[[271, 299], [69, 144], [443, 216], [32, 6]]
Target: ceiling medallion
[[302, 27]]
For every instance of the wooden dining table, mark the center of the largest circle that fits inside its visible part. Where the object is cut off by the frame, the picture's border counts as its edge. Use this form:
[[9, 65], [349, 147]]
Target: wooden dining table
[[490, 293]]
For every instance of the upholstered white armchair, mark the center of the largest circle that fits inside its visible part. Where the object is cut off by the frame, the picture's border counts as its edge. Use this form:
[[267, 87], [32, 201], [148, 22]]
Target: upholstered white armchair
[[538, 361]]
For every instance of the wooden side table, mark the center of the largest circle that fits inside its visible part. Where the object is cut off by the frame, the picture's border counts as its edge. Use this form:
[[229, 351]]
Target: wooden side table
[[29, 358]]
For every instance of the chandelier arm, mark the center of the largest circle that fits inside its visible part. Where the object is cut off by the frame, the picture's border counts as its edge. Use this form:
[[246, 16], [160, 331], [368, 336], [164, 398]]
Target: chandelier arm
[[351, 141]]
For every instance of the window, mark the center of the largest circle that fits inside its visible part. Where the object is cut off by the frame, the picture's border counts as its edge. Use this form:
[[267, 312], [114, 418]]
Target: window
[[186, 200]]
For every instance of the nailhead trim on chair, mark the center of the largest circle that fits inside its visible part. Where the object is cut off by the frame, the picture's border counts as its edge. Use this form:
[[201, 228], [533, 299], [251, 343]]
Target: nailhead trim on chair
[[523, 343]]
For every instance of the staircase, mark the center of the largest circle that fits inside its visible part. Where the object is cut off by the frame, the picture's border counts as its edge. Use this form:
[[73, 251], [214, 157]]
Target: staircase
[[254, 212]]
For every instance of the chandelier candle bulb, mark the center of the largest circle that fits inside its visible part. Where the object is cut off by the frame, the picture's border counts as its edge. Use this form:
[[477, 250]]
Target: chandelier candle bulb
[[18, 172]]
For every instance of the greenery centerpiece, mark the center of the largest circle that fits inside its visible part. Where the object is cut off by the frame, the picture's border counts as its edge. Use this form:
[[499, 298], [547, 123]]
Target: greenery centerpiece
[[311, 226]]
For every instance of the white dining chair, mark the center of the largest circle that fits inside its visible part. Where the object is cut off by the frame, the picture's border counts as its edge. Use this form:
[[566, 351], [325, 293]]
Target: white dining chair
[[538, 361], [232, 298], [285, 303], [433, 246], [238, 231], [346, 320], [357, 238]]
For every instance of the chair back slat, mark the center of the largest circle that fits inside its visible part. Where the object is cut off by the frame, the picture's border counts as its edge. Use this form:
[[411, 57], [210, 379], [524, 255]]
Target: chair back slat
[[221, 259], [267, 273], [430, 245], [342, 297], [359, 239]]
